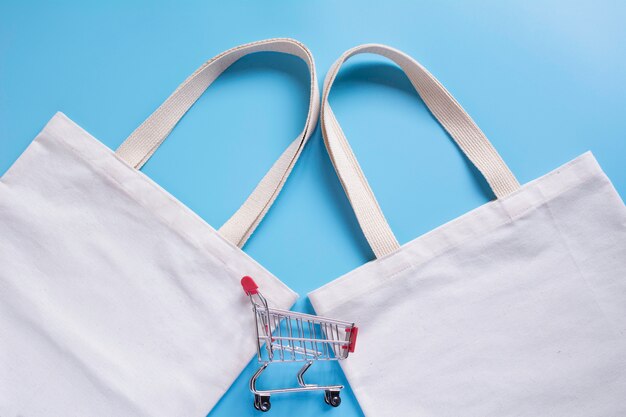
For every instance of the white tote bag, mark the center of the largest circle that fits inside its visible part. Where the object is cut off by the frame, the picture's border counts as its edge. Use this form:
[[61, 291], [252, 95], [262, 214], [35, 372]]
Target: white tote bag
[[116, 299], [517, 308]]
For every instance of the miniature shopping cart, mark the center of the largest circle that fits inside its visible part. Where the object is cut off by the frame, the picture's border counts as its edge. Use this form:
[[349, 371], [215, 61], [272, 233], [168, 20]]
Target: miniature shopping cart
[[287, 336]]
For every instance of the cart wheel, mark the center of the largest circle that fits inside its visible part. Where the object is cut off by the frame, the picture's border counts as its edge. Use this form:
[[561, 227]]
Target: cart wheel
[[332, 398], [262, 402]]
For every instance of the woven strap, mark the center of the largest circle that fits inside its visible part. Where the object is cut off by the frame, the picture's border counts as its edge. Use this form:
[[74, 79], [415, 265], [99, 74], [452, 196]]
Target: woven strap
[[144, 141], [446, 110]]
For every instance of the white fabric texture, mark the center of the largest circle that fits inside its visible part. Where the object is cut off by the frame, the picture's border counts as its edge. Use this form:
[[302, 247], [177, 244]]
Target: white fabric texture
[[517, 308], [115, 298]]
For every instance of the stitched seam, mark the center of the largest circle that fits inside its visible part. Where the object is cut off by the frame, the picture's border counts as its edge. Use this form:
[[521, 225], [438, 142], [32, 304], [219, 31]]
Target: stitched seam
[[413, 265], [281, 286], [162, 220]]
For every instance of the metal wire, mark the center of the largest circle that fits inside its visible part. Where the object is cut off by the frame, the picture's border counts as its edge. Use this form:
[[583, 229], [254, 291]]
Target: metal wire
[[297, 337], [286, 336]]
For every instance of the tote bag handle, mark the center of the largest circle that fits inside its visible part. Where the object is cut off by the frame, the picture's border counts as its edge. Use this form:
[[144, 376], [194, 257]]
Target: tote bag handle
[[470, 139], [144, 141]]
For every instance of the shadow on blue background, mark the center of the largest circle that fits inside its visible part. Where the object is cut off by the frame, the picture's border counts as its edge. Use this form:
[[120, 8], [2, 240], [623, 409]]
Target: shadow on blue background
[[544, 80]]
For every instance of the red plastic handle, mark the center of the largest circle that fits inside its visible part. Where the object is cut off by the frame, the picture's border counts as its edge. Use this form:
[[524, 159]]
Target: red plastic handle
[[249, 286], [354, 331]]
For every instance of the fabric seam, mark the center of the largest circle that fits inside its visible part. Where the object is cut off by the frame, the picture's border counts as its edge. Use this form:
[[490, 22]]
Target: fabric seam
[[413, 265], [170, 198]]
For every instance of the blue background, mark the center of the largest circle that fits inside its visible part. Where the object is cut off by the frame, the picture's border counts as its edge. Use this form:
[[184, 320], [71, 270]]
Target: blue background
[[544, 79]]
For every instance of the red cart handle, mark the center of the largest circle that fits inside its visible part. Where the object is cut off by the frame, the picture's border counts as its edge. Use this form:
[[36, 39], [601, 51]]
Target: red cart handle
[[354, 331], [249, 286]]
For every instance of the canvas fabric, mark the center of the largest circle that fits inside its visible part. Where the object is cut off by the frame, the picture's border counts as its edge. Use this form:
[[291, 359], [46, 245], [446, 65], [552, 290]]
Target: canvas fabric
[[517, 308], [115, 298]]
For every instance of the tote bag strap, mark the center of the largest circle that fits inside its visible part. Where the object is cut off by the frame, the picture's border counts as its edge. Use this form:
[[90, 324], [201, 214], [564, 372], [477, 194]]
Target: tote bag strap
[[444, 108], [144, 141]]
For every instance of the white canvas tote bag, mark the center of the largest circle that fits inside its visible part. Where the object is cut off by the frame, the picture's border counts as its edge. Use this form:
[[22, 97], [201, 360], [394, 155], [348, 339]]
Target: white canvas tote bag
[[116, 299], [517, 308]]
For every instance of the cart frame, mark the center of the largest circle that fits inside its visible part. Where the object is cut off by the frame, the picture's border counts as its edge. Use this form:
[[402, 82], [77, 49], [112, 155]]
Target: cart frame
[[287, 336]]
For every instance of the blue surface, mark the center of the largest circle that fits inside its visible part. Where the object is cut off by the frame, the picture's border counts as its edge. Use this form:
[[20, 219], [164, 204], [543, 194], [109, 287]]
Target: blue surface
[[544, 79]]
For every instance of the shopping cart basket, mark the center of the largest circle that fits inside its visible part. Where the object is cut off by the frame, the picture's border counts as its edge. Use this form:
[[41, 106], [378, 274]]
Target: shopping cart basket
[[287, 336]]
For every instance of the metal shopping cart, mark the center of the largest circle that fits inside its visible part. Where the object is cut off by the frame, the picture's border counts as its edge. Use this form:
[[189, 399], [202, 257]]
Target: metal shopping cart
[[287, 336]]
